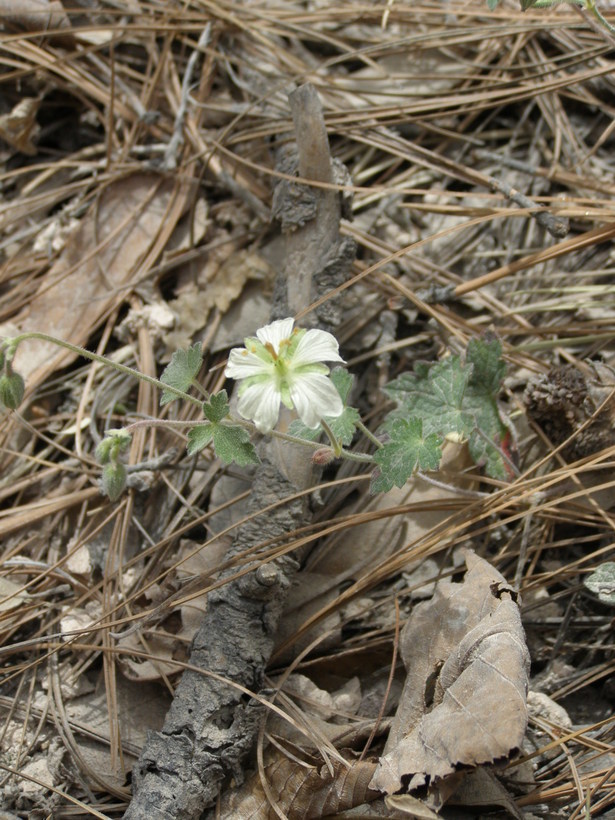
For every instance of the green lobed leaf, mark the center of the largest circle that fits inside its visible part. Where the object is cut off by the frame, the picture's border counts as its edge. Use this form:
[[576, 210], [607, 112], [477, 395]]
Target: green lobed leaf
[[233, 444], [489, 455], [343, 381], [181, 371], [488, 367], [488, 371], [217, 408], [408, 450], [199, 437], [459, 397], [602, 582], [343, 426], [436, 396], [300, 430]]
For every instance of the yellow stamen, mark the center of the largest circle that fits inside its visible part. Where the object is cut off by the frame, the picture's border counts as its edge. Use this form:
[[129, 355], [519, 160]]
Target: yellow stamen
[[271, 349]]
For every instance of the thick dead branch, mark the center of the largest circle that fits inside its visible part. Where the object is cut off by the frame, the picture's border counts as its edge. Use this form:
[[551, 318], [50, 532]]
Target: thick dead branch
[[211, 725]]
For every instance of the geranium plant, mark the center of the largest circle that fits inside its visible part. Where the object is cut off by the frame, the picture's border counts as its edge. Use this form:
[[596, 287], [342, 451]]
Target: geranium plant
[[283, 365]]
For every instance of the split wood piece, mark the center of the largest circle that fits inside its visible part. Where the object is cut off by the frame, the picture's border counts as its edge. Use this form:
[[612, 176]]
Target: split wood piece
[[213, 724]]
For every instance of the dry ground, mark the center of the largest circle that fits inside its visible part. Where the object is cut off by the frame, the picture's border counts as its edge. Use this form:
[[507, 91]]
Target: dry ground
[[138, 155]]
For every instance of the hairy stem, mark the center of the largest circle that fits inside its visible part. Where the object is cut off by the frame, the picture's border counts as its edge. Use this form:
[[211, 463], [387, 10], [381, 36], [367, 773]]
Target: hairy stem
[[95, 357]]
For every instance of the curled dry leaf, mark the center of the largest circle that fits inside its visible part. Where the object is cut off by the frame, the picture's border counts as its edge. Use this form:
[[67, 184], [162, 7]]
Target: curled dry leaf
[[223, 282], [303, 792], [19, 127], [140, 707], [12, 596], [464, 701]]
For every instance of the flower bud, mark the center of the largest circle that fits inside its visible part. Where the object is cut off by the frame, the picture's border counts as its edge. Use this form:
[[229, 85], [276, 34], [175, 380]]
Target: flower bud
[[113, 479], [115, 442], [12, 388], [102, 453], [323, 456]]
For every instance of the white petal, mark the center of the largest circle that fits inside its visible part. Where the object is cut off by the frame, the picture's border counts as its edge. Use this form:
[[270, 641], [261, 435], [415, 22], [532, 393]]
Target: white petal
[[242, 364], [261, 404], [276, 332], [316, 346], [315, 396]]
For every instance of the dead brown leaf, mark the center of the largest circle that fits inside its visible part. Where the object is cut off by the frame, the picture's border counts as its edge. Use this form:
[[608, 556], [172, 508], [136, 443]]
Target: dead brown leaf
[[193, 305], [34, 15], [124, 231], [464, 702], [162, 650], [19, 126]]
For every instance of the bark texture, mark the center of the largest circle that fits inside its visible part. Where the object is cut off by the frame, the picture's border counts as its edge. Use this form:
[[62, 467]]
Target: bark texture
[[211, 725]]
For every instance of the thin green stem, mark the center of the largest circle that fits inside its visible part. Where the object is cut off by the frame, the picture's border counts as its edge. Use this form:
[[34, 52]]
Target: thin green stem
[[368, 434], [12, 344], [95, 357], [199, 388], [595, 11], [227, 422], [362, 458], [335, 444]]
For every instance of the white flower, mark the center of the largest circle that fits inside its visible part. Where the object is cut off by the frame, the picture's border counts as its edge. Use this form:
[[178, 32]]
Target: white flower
[[285, 365]]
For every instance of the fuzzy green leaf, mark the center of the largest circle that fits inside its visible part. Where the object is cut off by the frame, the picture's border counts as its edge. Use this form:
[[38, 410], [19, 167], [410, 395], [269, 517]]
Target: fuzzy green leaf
[[461, 398], [217, 407], [436, 396], [343, 381], [233, 444], [199, 437], [602, 582], [408, 450], [12, 388], [113, 479], [343, 426], [300, 430], [181, 371], [116, 441], [489, 456], [488, 367], [490, 432]]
